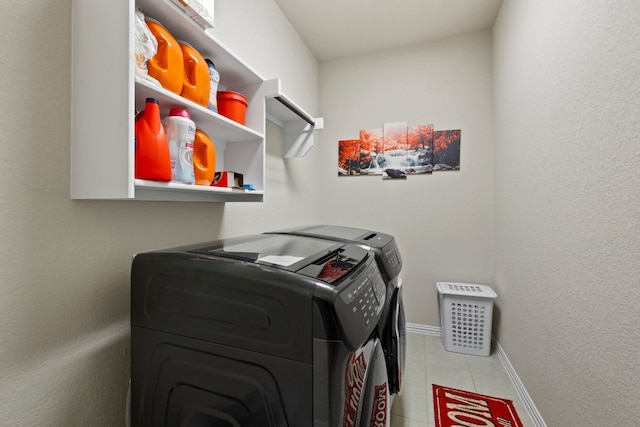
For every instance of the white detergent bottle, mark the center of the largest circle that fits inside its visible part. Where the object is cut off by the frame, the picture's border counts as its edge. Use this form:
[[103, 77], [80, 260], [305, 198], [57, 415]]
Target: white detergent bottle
[[180, 130], [214, 80]]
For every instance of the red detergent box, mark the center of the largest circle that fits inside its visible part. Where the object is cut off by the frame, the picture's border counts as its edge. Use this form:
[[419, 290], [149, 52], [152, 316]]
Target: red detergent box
[[228, 179]]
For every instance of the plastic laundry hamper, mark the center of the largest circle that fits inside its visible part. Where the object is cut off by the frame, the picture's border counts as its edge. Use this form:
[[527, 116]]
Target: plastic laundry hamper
[[466, 314]]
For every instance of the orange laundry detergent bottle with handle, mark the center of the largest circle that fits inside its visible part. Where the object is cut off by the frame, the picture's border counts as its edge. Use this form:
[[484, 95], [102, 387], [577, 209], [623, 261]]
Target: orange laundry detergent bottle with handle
[[196, 79], [167, 66], [153, 161], [204, 158]]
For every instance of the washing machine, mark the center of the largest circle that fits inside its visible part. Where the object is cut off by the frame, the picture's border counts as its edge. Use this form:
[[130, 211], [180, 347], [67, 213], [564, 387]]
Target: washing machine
[[392, 327], [258, 331]]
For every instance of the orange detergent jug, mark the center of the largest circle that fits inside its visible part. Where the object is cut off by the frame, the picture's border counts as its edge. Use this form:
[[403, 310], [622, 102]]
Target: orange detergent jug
[[204, 158], [167, 66], [153, 160], [196, 82]]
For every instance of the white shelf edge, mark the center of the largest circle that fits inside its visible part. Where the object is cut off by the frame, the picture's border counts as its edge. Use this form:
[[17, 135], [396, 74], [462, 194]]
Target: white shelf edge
[[161, 191]]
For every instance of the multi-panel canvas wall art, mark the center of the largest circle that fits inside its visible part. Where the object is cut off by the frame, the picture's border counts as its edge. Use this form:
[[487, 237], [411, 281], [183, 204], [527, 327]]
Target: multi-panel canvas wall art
[[398, 150]]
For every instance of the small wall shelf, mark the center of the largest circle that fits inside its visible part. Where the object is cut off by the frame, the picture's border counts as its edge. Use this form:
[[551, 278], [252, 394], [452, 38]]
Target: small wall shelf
[[106, 94], [297, 125]]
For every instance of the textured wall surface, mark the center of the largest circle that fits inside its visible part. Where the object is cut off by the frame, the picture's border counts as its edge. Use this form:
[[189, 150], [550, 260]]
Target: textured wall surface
[[64, 280], [443, 222], [567, 103]]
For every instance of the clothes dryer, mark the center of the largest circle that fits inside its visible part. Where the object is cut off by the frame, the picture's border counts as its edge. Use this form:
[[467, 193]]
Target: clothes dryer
[[258, 331], [392, 327]]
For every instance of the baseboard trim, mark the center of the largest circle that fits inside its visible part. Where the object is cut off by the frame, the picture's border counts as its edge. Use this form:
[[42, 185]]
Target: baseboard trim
[[535, 415], [424, 330]]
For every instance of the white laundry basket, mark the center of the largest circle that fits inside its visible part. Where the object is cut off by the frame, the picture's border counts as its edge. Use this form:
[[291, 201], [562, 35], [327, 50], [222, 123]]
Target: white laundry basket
[[466, 315]]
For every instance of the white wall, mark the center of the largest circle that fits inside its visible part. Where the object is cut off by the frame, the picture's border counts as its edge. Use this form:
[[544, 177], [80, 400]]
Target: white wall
[[443, 222], [64, 280], [567, 96], [259, 33]]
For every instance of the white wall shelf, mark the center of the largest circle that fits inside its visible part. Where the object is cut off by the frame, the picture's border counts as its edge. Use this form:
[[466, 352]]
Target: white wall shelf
[[106, 94], [297, 125]]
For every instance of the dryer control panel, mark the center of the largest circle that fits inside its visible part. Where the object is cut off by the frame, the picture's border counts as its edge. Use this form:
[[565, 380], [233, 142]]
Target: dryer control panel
[[360, 304], [391, 259]]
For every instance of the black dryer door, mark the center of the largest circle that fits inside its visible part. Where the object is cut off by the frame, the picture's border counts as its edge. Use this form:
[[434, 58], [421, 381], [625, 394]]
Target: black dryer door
[[394, 340]]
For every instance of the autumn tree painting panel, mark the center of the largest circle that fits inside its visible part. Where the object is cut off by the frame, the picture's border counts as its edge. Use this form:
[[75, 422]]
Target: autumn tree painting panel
[[349, 157], [371, 140], [446, 150]]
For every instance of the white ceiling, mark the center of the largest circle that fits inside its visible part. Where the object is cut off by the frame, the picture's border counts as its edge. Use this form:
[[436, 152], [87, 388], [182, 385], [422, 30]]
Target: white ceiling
[[339, 28]]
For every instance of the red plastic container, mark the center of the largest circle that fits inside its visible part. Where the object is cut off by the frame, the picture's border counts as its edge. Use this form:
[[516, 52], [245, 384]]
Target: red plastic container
[[232, 105], [153, 161]]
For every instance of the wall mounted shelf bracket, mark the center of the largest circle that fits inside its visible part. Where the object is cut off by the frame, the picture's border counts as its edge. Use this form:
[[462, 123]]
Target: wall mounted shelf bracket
[[297, 125]]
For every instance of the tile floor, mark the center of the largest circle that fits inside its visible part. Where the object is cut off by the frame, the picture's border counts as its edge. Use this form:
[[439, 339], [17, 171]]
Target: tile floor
[[429, 363]]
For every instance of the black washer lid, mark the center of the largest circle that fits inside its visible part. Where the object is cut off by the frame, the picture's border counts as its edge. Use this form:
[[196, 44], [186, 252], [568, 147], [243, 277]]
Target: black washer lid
[[321, 259], [337, 231]]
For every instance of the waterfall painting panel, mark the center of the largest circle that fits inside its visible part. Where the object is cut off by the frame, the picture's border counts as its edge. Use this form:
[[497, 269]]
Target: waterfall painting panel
[[407, 150], [393, 159]]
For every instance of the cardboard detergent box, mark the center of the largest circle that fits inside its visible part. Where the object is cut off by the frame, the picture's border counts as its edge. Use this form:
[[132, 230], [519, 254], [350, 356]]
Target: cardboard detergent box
[[200, 11], [228, 179]]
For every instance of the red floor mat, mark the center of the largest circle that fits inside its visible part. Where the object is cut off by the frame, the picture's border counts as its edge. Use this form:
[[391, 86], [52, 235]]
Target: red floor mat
[[463, 408]]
